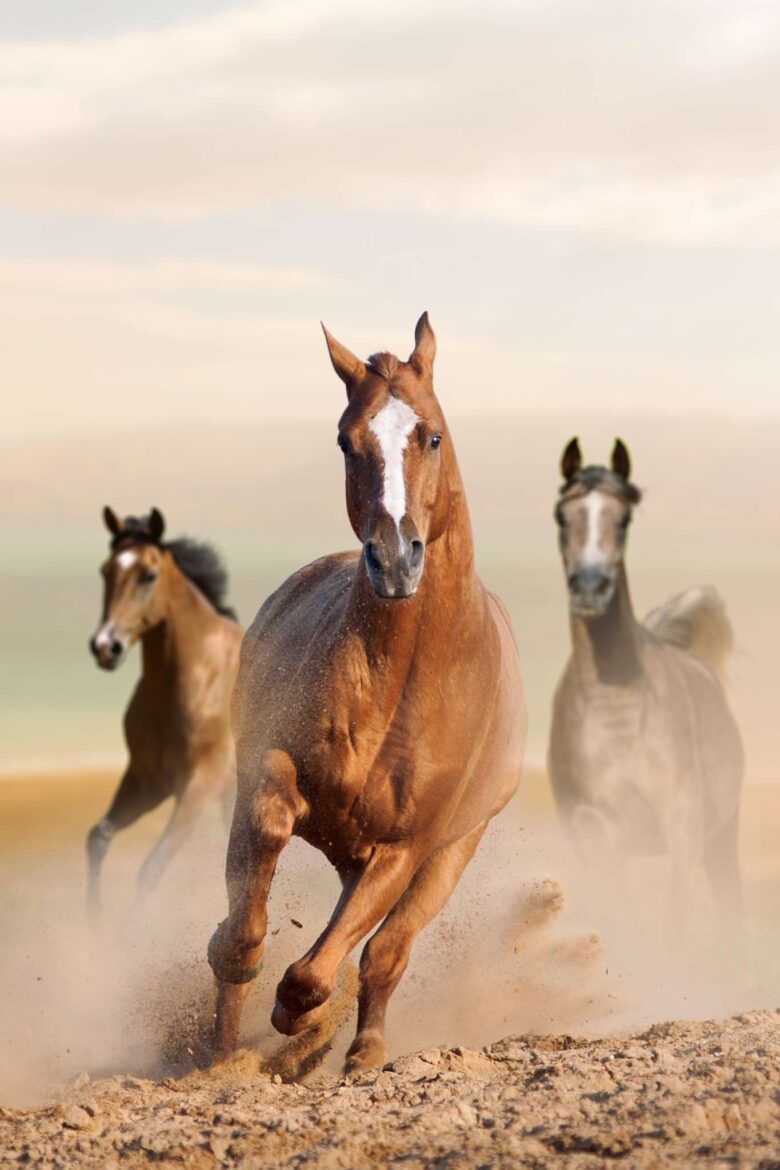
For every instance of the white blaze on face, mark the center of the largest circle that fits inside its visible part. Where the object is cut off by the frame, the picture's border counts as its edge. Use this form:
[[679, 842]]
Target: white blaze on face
[[125, 560], [592, 553], [392, 427]]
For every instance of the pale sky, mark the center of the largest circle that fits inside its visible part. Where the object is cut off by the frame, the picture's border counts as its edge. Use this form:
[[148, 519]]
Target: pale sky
[[585, 194]]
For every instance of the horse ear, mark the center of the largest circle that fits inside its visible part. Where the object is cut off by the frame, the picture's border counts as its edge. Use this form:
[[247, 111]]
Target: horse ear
[[424, 344], [156, 524], [112, 521], [621, 460], [349, 368], [571, 460]]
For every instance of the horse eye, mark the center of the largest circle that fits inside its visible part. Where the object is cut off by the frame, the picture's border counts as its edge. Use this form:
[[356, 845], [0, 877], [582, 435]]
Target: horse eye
[[344, 444], [147, 576], [435, 441]]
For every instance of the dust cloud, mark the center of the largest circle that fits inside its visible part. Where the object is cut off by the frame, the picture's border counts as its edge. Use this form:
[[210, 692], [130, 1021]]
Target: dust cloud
[[521, 948]]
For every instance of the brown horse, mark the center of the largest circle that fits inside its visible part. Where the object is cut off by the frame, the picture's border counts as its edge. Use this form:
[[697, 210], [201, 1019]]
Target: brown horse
[[378, 712], [645, 754], [169, 596]]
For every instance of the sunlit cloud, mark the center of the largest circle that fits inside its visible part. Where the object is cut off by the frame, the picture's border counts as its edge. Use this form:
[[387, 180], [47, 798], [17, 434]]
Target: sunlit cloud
[[648, 122]]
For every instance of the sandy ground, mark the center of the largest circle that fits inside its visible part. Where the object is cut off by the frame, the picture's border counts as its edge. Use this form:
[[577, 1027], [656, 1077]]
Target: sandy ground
[[102, 1034], [677, 1095]]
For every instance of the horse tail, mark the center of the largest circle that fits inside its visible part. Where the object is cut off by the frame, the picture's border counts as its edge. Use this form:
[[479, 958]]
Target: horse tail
[[697, 622]]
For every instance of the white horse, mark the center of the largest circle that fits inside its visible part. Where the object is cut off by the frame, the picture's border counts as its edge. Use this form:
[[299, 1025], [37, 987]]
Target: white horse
[[645, 754]]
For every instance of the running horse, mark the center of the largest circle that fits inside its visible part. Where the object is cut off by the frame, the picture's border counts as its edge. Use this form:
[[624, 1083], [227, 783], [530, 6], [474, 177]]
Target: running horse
[[645, 755], [169, 596], [378, 712]]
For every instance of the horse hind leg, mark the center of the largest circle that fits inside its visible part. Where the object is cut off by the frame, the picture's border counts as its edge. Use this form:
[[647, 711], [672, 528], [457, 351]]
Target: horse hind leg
[[263, 823], [135, 796], [386, 955]]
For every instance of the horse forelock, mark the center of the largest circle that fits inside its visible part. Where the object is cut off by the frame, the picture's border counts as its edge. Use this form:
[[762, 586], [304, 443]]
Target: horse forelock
[[134, 530], [386, 365], [588, 479]]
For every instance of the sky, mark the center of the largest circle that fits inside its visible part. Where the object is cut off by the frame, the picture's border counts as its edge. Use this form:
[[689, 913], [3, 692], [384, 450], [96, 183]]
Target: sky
[[585, 194]]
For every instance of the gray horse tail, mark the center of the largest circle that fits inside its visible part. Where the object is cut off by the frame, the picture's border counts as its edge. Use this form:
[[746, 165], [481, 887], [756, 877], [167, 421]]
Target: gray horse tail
[[696, 621]]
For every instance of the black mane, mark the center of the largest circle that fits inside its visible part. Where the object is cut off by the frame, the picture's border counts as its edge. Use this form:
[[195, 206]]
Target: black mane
[[201, 564]]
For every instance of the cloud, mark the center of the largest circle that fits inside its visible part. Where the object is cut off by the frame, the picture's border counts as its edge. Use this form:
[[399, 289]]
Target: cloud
[[159, 278], [654, 121]]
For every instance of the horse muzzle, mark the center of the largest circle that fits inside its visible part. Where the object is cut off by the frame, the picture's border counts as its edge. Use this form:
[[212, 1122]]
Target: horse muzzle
[[394, 563], [108, 649], [590, 591]]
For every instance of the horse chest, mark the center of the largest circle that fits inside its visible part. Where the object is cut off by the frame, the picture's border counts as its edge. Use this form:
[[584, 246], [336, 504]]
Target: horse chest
[[358, 791]]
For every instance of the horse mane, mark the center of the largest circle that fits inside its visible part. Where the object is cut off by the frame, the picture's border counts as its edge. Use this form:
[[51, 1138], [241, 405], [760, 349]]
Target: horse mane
[[384, 364], [201, 564], [598, 476]]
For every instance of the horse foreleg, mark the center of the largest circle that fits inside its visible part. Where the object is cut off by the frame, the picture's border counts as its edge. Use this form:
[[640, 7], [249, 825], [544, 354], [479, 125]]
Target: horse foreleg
[[188, 807], [721, 862], [386, 955], [136, 795], [367, 897], [684, 853], [263, 822], [98, 840]]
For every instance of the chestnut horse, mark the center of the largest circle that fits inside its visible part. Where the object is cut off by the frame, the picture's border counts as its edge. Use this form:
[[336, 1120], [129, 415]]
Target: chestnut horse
[[645, 755], [168, 595], [378, 712]]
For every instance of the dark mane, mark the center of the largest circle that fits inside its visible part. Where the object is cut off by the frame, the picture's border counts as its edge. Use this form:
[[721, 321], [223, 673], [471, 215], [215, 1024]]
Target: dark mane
[[384, 364], [201, 564], [599, 476]]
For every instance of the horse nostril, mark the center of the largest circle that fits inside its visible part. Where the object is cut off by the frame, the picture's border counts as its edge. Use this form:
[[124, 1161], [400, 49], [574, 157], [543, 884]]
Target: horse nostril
[[93, 645], [603, 586], [373, 558], [116, 648], [418, 548]]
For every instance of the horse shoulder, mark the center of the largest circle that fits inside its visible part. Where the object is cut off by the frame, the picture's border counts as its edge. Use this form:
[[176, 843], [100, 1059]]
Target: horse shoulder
[[307, 589]]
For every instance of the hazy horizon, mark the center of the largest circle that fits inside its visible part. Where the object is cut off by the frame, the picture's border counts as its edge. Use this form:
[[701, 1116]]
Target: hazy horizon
[[271, 498]]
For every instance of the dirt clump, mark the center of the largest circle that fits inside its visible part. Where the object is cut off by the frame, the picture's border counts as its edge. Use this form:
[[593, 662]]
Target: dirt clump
[[682, 1094]]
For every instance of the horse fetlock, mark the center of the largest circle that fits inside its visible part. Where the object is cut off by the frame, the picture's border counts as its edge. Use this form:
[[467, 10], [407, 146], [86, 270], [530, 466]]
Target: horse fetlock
[[232, 961]]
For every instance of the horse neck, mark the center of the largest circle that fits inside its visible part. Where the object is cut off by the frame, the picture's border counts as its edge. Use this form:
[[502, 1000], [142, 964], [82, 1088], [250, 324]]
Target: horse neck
[[607, 648], [448, 595], [172, 646]]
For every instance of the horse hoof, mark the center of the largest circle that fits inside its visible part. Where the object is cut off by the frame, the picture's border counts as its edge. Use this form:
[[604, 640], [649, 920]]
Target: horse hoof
[[366, 1051], [298, 996], [292, 1023]]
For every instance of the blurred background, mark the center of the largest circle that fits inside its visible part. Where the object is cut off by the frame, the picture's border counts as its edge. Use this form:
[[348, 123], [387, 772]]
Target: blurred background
[[584, 195]]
